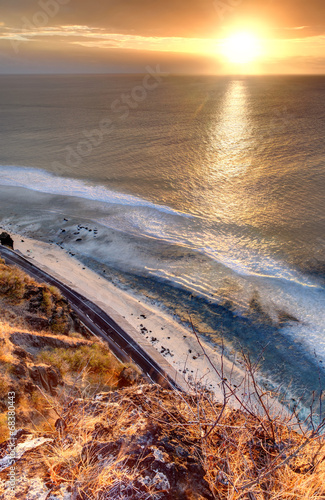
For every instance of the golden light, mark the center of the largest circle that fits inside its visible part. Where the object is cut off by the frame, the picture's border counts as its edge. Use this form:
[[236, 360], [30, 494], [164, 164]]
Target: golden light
[[241, 48]]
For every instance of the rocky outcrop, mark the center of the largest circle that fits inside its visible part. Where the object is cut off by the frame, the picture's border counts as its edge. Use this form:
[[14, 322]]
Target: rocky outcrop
[[46, 377], [37, 323], [147, 455], [50, 311], [147, 443], [33, 343], [168, 465], [6, 240]]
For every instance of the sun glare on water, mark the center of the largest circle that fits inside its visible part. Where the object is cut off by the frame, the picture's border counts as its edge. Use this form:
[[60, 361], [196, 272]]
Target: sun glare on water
[[241, 48]]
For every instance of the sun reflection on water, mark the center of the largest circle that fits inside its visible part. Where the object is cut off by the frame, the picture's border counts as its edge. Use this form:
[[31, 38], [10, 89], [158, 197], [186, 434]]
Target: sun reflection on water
[[229, 157], [231, 138]]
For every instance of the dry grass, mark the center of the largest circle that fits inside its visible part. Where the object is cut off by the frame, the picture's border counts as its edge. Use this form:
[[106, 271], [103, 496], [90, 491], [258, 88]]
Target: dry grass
[[244, 453], [85, 369], [239, 459], [13, 282], [88, 369]]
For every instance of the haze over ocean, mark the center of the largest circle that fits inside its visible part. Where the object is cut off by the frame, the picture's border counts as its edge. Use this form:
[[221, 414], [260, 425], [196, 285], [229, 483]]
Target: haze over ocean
[[208, 195]]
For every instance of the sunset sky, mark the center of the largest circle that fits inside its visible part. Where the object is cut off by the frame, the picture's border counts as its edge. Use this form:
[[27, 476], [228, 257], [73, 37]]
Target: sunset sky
[[182, 36]]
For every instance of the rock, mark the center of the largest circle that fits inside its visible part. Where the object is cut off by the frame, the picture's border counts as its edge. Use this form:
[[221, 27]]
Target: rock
[[285, 318], [128, 376], [6, 240], [63, 493], [160, 481], [22, 448], [33, 343], [21, 354], [19, 370], [46, 377], [29, 387], [37, 490], [37, 323]]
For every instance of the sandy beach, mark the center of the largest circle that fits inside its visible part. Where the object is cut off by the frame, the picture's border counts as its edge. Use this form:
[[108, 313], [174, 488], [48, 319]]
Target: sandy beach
[[176, 343]]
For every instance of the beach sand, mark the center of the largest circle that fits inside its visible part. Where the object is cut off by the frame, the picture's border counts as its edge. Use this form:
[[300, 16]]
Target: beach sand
[[177, 344]]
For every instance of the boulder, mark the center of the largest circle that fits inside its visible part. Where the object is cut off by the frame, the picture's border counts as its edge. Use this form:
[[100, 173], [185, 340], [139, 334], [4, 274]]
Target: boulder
[[46, 376], [6, 240], [19, 370], [128, 376], [22, 354]]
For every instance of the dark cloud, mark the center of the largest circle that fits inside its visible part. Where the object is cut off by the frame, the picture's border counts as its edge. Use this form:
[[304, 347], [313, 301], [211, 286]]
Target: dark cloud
[[36, 57]]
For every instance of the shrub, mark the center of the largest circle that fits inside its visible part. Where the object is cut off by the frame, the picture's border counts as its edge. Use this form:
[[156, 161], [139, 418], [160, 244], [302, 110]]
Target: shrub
[[97, 358]]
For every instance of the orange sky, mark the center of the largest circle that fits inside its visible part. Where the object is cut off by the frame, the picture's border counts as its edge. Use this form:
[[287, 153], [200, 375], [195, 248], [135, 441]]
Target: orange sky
[[182, 36]]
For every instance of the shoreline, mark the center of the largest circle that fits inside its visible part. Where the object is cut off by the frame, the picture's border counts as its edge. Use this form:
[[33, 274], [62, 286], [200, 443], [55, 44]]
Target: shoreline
[[177, 344]]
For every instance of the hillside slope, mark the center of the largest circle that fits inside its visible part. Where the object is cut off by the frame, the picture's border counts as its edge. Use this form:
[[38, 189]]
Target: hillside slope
[[84, 426]]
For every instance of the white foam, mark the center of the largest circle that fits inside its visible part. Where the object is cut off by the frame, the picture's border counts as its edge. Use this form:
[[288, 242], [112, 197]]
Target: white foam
[[45, 182], [230, 258]]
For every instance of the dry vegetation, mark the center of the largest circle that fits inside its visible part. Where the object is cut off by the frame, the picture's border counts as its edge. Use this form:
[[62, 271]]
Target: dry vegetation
[[143, 442], [80, 367]]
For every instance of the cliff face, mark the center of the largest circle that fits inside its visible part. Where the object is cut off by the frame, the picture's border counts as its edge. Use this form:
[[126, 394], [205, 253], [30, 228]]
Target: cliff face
[[75, 424]]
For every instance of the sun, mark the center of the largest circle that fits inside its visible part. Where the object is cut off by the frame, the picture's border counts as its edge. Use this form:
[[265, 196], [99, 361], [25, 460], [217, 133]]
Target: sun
[[241, 48]]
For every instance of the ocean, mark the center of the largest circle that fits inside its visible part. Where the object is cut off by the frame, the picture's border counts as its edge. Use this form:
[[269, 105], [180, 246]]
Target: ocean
[[203, 194]]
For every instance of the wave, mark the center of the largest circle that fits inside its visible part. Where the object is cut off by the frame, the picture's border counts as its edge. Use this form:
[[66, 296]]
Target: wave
[[220, 243], [215, 261], [45, 182]]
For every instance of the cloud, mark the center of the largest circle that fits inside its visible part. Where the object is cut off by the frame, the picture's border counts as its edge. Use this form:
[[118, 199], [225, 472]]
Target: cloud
[[189, 18], [82, 35]]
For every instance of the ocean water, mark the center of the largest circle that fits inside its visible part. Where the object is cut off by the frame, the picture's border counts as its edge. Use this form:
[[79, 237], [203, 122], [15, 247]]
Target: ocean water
[[207, 195]]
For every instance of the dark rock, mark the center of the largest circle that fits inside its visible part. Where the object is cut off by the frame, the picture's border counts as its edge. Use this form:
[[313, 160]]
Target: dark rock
[[128, 376], [285, 318], [19, 370], [6, 240], [37, 323], [29, 387], [46, 376]]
